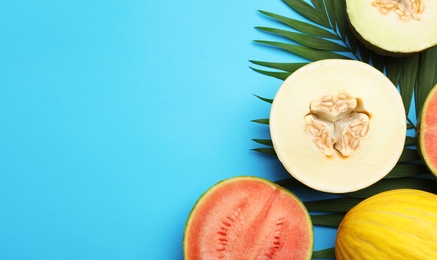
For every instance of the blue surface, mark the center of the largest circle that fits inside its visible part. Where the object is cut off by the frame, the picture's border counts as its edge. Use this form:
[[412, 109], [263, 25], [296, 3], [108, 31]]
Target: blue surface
[[117, 115]]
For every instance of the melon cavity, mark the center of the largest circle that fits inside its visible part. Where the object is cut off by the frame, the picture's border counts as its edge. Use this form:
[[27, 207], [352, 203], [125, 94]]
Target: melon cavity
[[394, 27], [338, 125], [335, 125]]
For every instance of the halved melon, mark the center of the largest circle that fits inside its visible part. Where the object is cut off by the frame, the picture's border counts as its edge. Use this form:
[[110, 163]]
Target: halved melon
[[248, 218], [428, 131], [338, 125], [394, 28]]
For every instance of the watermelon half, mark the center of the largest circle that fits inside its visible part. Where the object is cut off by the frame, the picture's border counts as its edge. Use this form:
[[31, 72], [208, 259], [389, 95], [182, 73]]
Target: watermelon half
[[428, 131], [248, 217]]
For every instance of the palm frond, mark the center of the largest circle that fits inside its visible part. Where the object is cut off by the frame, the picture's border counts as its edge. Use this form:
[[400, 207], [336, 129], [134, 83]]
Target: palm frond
[[328, 220], [328, 253], [267, 151], [275, 74], [332, 205], [322, 32], [336, 11], [310, 41], [408, 140], [407, 170], [288, 67], [426, 76], [304, 51], [409, 155], [303, 27], [309, 12], [263, 121], [268, 100], [266, 142], [407, 79], [424, 184]]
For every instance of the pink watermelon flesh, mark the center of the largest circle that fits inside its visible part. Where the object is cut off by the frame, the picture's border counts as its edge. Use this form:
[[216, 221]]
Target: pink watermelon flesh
[[248, 218], [428, 131]]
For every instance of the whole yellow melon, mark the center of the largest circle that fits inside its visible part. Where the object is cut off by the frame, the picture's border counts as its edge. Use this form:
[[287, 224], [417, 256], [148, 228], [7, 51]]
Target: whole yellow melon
[[396, 224]]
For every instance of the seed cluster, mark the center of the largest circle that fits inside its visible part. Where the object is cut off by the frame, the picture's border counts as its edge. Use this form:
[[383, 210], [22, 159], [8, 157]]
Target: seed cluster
[[322, 134], [328, 103], [353, 128], [405, 9], [335, 126]]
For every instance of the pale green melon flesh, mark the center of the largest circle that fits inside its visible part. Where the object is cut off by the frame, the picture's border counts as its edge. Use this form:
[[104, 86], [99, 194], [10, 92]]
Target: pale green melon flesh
[[248, 218], [428, 131], [387, 33]]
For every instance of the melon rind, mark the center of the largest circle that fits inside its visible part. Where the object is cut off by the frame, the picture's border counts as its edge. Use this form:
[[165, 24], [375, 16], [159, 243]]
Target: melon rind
[[427, 134], [379, 150], [202, 220], [396, 224]]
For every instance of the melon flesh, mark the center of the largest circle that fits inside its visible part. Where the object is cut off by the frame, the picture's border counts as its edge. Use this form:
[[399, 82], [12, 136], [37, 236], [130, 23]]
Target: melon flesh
[[428, 131], [248, 218], [327, 154], [394, 27]]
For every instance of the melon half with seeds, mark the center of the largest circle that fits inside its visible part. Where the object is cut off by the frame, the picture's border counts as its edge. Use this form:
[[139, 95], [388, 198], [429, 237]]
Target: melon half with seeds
[[394, 27], [338, 125], [248, 217], [428, 131]]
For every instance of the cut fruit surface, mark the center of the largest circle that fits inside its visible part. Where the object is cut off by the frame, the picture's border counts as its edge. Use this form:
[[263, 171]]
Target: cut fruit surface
[[394, 28], [428, 131], [338, 125], [248, 218]]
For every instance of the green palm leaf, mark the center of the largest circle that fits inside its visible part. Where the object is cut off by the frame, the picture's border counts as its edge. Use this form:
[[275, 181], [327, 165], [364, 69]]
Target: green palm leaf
[[407, 170], [409, 140], [268, 100], [324, 254], [303, 27], [328, 220], [332, 205], [426, 76], [267, 142], [263, 121], [323, 32], [289, 67], [407, 78], [409, 155], [304, 51], [327, 19], [275, 74], [306, 40], [309, 12], [336, 11], [267, 151], [429, 185]]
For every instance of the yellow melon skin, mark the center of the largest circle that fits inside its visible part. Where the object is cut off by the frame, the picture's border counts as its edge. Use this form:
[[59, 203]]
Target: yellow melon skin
[[396, 224]]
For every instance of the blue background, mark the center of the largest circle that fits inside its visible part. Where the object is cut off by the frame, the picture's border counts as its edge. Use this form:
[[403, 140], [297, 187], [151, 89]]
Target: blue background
[[117, 115]]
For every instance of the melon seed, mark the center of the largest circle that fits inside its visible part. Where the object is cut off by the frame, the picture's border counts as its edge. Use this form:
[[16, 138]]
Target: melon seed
[[405, 9], [339, 129]]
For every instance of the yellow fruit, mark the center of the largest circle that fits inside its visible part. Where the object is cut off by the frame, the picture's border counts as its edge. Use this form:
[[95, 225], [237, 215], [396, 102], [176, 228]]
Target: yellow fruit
[[396, 224]]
